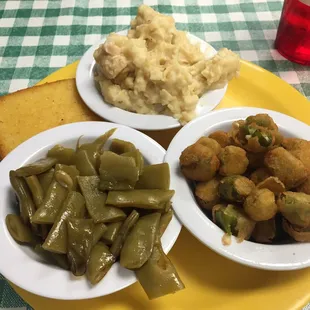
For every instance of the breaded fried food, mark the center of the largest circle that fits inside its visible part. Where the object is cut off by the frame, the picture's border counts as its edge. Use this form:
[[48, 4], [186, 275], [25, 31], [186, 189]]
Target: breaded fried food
[[199, 163], [259, 175], [212, 144], [222, 137], [232, 220], [299, 148], [304, 187], [273, 184], [207, 193], [235, 188], [260, 205], [295, 207], [233, 161], [263, 120], [283, 165], [254, 137], [297, 233], [264, 231]]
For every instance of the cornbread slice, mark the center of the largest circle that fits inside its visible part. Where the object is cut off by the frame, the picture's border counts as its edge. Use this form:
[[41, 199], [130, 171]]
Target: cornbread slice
[[27, 112]]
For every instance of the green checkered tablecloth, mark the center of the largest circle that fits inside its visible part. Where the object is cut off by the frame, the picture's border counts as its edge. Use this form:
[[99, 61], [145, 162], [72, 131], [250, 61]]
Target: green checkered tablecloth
[[38, 37]]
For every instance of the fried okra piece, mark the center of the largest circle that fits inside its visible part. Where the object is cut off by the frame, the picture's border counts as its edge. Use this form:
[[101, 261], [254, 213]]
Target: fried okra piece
[[222, 137], [304, 187], [263, 120], [260, 205], [211, 144], [295, 207], [264, 231], [283, 165], [199, 163], [233, 221], [297, 233], [252, 137], [233, 161], [273, 184], [235, 188], [207, 193], [299, 148], [256, 134], [259, 175]]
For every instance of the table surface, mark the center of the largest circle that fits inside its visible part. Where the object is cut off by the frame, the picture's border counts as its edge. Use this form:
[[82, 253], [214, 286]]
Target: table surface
[[39, 37]]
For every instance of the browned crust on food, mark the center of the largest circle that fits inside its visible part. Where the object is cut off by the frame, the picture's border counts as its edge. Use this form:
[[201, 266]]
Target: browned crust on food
[[30, 111]]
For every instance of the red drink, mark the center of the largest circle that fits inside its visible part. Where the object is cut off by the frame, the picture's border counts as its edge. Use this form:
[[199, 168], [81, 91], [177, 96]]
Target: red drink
[[293, 37]]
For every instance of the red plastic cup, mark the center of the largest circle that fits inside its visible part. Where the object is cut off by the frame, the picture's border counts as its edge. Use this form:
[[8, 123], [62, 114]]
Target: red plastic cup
[[293, 37]]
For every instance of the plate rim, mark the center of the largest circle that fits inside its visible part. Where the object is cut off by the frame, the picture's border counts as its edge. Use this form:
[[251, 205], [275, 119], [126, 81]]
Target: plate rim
[[23, 153], [84, 82], [172, 157]]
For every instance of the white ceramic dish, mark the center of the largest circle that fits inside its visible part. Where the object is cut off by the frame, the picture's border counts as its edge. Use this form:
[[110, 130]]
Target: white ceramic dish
[[92, 97], [272, 257], [20, 264]]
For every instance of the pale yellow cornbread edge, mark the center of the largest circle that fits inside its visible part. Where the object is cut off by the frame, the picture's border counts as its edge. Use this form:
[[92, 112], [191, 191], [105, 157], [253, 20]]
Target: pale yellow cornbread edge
[[30, 111]]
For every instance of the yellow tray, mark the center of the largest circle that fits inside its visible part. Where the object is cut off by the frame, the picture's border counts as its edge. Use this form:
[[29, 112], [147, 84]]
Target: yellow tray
[[212, 282]]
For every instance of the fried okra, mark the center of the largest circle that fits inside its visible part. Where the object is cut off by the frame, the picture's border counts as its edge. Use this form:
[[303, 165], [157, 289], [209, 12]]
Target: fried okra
[[207, 193], [233, 161], [283, 165], [199, 163], [260, 205]]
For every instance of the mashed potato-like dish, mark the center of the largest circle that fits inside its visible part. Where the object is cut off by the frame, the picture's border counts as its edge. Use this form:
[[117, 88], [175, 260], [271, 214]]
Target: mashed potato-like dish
[[156, 70]]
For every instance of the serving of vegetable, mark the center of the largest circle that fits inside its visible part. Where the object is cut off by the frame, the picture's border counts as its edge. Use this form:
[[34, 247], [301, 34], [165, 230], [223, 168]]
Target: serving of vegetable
[[86, 208], [252, 181]]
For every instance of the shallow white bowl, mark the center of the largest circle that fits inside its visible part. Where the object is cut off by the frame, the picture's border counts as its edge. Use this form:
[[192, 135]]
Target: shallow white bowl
[[92, 97], [20, 264], [272, 257]]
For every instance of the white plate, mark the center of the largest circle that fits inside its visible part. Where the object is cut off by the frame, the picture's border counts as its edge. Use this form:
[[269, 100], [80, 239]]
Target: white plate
[[90, 94], [20, 264], [273, 257]]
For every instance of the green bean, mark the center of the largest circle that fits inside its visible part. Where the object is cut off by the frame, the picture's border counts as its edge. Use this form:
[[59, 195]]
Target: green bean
[[64, 179], [83, 164], [46, 179], [71, 171], [55, 196], [143, 198], [120, 146], [139, 160], [38, 196], [99, 230], [93, 149], [112, 230], [100, 262], [154, 177], [117, 172], [95, 201], [37, 167], [57, 239], [164, 221], [63, 155], [26, 204], [139, 243], [36, 189], [18, 230], [158, 276], [80, 241], [123, 232]]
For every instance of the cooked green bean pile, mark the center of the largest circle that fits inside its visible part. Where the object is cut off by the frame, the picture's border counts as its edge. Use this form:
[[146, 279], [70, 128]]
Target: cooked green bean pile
[[87, 208]]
